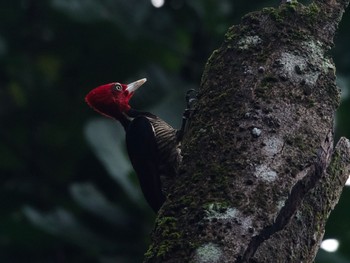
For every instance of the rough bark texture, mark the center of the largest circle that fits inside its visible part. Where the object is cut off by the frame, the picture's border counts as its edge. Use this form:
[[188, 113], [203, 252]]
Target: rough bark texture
[[259, 175]]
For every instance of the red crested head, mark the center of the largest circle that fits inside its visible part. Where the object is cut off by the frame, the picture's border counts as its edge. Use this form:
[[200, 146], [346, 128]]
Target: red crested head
[[112, 100]]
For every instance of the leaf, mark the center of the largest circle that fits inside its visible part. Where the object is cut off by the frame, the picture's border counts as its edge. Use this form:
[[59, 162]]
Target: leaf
[[107, 141], [62, 223], [326, 257], [91, 199], [122, 13]]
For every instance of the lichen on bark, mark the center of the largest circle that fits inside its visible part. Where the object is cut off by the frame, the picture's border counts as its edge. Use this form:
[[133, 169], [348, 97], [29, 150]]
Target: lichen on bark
[[258, 160]]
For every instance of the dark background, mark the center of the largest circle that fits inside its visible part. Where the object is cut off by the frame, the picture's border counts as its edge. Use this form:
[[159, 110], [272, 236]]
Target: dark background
[[67, 190]]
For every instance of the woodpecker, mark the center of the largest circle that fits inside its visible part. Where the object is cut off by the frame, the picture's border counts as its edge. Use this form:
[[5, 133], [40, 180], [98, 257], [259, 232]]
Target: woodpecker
[[153, 145]]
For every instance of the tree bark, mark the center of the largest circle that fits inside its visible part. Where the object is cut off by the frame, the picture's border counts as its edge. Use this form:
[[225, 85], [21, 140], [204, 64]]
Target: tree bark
[[259, 174]]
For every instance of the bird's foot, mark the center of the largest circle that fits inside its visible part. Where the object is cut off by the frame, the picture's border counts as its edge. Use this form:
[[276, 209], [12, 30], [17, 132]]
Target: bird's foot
[[191, 97]]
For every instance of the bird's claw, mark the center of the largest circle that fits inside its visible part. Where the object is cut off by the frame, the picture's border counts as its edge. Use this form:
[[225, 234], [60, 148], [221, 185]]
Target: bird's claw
[[191, 97]]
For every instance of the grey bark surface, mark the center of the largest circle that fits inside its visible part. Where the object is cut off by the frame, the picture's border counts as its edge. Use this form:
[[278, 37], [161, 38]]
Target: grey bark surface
[[259, 174]]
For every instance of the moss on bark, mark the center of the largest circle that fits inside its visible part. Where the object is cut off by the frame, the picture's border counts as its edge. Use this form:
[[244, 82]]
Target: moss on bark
[[258, 145]]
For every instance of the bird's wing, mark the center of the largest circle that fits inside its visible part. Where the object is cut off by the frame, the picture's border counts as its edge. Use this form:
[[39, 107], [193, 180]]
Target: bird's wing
[[143, 153]]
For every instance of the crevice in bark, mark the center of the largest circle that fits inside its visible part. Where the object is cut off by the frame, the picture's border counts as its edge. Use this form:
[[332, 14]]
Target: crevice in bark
[[301, 188]]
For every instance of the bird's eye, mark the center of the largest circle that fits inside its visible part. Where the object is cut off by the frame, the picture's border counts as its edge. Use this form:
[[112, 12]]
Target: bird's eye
[[117, 87]]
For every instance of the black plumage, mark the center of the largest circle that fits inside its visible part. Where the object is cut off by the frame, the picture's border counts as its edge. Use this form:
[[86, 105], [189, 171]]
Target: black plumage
[[154, 151]]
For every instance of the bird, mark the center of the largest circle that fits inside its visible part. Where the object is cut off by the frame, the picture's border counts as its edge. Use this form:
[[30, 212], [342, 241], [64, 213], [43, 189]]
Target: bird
[[152, 144]]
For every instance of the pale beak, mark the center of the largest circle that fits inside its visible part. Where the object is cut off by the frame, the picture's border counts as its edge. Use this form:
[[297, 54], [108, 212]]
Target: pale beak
[[132, 87]]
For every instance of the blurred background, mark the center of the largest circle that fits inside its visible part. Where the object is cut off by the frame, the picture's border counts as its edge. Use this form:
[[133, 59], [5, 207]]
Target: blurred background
[[67, 190]]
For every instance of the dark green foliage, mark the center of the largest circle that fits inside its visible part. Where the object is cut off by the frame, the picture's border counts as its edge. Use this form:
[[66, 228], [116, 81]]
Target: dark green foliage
[[67, 191]]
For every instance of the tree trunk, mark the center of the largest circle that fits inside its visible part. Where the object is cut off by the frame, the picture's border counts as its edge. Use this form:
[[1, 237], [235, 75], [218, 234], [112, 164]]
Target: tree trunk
[[259, 175]]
